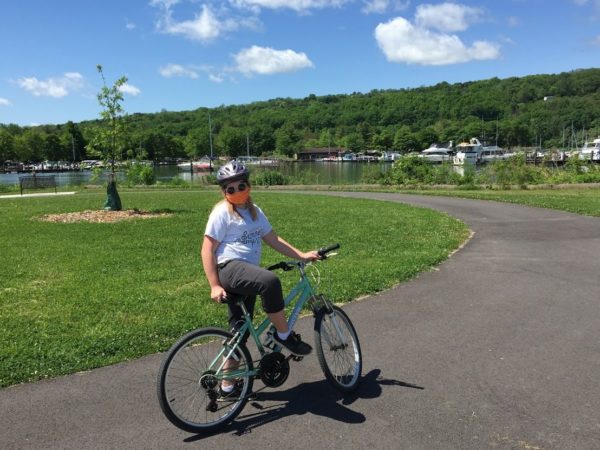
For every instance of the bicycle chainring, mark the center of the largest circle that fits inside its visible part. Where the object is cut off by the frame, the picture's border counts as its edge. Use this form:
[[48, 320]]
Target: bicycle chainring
[[274, 369]]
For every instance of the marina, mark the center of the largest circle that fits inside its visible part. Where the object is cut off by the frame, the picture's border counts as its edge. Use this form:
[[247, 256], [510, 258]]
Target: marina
[[314, 166]]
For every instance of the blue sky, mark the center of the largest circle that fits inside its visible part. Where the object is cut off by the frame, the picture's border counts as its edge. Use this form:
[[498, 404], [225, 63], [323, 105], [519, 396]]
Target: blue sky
[[184, 54]]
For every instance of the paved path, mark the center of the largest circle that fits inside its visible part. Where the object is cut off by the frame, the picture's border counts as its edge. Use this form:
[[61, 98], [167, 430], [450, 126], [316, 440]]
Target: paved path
[[498, 348], [40, 194]]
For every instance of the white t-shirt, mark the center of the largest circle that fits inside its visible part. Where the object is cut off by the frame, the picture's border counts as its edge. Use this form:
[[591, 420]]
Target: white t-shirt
[[239, 238]]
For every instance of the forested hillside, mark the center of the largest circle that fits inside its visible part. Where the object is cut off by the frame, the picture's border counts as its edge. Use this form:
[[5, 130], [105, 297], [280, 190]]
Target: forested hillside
[[554, 110]]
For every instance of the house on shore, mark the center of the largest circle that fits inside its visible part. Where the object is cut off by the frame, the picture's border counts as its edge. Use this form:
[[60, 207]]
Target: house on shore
[[315, 154]]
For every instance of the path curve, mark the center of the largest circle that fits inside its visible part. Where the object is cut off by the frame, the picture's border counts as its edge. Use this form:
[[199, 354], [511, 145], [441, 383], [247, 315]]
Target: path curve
[[499, 347]]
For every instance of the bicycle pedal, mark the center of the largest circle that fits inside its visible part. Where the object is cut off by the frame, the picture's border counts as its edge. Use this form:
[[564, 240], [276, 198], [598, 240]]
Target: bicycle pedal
[[297, 358], [212, 406]]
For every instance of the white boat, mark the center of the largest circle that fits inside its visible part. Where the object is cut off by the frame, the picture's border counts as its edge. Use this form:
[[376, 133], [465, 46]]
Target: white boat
[[202, 165], [437, 155], [390, 156], [368, 156], [491, 154], [348, 156], [590, 151], [256, 161], [468, 152]]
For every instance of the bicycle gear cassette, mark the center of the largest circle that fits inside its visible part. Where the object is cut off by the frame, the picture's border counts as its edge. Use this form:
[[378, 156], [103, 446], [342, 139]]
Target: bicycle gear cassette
[[274, 369]]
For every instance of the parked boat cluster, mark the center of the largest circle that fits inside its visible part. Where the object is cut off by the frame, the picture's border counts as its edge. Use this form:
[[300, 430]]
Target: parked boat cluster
[[474, 152], [464, 153]]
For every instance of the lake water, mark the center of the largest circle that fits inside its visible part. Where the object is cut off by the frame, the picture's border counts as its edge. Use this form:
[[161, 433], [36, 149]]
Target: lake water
[[311, 172]]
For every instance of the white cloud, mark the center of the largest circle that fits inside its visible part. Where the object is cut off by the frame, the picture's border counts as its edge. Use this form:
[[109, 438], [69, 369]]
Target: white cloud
[[176, 70], [403, 42], [596, 41], [129, 89], [446, 16], [267, 61], [215, 78], [130, 25], [4, 102], [204, 27], [208, 24], [53, 87], [375, 6]]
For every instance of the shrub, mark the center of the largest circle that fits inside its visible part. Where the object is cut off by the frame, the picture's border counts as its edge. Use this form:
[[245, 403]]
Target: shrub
[[268, 178], [9, 188], [178, 182], [373, 175], [411, 170], [512, 171], [140, 174]]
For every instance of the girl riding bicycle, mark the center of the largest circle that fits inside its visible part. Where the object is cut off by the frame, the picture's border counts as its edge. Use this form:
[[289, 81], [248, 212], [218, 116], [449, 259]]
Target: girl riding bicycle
[[231, 252]]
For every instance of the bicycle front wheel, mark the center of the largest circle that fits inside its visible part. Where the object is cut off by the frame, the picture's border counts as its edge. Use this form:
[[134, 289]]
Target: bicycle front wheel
[[191, 374], [338, 349]]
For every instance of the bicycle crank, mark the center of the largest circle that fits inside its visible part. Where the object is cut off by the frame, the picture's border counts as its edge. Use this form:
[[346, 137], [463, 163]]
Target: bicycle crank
[[274, 369]]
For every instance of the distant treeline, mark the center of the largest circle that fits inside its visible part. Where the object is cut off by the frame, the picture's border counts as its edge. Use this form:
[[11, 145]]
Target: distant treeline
[[553, 111]]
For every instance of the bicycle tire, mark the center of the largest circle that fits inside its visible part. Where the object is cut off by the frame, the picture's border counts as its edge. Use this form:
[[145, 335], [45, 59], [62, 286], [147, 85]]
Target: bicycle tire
[[187, 391], [342, 365]]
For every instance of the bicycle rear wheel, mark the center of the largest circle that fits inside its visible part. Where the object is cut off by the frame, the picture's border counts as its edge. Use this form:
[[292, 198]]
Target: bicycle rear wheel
[[188, 383], [338, 349]]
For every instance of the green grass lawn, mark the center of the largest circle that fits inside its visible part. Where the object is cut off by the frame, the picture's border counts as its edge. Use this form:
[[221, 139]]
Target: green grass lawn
[[83, 295], [579, 200]]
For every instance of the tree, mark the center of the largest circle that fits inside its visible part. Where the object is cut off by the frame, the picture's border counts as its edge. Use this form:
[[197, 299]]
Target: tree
[[288, 140], [109, 139], [231, 141], [197, 142], [72, 139], [30, 146], [404, 140], [7, 146], [53, 148]]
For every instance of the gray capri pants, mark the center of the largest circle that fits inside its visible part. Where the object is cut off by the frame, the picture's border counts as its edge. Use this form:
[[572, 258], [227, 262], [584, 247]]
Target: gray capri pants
[[243, 278]]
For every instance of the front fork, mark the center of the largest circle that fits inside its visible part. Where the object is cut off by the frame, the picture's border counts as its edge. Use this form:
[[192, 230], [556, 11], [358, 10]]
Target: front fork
[[319, 302]]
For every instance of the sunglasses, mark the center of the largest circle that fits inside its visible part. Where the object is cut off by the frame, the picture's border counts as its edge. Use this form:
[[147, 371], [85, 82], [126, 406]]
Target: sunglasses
[[231, 189]]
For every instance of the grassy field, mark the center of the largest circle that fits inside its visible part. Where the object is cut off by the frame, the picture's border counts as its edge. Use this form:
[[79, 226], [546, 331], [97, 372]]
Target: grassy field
[[579, 200], [83, 295]]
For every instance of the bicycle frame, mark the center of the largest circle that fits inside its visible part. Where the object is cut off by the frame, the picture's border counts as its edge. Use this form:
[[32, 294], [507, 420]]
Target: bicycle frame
[[302, 291]]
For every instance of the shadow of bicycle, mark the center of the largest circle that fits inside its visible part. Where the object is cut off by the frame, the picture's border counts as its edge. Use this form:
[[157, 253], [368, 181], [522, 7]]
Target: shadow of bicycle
[[318, 398]]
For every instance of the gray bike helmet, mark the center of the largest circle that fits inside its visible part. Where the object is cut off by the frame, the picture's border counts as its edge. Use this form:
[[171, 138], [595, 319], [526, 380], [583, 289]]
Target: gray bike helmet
[[232, 171]]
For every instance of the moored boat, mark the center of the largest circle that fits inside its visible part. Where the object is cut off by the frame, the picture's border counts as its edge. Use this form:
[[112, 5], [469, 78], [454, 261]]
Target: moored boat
[[437, 155], [590, 151], [468, 152], [202, 165]]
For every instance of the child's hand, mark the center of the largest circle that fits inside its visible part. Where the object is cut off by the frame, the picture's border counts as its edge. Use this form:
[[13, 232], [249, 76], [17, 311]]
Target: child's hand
[[310, 256], [217, 293]]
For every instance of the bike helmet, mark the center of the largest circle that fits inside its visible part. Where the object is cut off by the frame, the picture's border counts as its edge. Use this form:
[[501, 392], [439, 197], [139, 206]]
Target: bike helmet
[[232, 171]]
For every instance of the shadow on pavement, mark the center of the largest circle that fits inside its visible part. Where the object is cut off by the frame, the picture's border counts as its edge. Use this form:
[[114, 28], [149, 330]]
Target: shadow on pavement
[[318, 398]]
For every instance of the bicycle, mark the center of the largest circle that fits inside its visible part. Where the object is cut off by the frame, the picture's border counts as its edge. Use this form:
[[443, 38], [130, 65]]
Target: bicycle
[[193, 368]]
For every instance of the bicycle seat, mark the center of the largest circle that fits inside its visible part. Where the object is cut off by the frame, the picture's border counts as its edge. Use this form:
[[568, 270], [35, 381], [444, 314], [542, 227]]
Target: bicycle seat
[[233, 298]]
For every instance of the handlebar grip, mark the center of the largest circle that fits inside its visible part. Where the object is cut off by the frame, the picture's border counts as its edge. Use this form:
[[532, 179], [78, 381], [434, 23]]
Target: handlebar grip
[[279, 265], [323, 251]]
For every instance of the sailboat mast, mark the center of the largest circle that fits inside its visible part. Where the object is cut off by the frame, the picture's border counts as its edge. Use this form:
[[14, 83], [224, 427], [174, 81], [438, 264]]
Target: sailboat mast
[[210, 142]]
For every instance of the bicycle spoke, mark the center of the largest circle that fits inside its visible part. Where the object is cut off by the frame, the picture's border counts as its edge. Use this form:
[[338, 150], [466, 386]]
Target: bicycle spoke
[[338, 349], [189, 381]]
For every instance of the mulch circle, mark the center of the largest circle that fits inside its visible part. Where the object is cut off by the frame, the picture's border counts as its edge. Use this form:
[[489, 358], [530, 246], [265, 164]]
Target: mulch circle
[[101, 216]]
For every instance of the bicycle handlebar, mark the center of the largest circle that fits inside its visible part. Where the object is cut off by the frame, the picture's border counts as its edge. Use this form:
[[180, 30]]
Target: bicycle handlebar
[[289, 265], [283, 265], [323, 251]]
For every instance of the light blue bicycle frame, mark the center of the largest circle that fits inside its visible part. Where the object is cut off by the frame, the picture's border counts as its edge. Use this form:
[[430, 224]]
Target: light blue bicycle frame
[[303, 290]]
